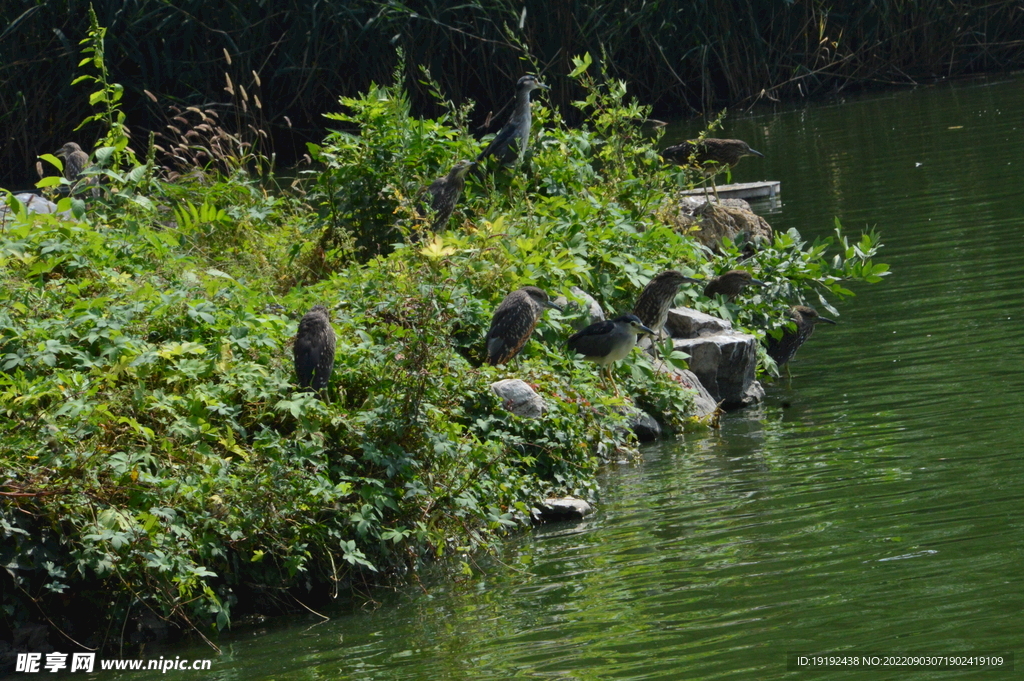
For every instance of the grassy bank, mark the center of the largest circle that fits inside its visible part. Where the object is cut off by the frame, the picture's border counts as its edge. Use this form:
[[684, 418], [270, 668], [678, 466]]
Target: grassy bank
[[679, 57], [157, 457]]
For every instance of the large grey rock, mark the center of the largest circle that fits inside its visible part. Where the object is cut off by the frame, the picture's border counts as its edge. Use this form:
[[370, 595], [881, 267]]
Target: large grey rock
[[564, 508], [590, 306], [33, 204], [683, 322], [704, 404], [725, 363], [519, 398]]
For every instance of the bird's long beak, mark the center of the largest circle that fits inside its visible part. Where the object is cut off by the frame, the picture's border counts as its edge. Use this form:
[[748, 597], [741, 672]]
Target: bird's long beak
[[543, 86], [755, 152], [691, 280], [553, 305], [59, 153], [758, 282], [648, 331], [825, 319]]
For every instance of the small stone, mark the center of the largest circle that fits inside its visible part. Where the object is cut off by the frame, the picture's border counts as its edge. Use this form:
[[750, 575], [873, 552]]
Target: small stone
[[563, 508], [590, 307], [644, 426], [519, 398]]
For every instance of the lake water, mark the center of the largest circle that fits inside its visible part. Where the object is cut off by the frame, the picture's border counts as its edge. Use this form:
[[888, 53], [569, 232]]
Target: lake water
[[873, 504]]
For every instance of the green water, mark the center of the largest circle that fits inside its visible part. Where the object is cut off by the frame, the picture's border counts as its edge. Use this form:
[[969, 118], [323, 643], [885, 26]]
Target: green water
[[872, 504]]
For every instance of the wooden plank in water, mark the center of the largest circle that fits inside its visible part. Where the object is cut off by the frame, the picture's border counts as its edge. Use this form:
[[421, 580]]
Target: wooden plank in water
[[741, 190]]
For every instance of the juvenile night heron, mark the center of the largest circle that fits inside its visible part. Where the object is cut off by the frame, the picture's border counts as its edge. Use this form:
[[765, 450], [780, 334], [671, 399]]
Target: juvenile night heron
[[658, 296], [710, 155], [446, 192], [783, 349], [730, 284], [514, 321], [509, 145], [605, 343], [75, 160], [314, 349]]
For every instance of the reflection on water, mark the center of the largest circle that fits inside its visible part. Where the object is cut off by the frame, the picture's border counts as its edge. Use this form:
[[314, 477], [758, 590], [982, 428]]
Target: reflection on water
[[872, 504]]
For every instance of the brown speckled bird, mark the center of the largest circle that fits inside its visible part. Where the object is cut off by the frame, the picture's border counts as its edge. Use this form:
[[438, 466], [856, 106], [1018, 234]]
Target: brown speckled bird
[[314, 349], [783, 349], [446, 192], [75, 160], [730, 284], [710, 155], [514, 321], [658, 296]]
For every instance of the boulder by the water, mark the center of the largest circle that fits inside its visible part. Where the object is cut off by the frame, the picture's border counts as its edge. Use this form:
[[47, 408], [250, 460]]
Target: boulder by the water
[[704, 404], [711, 221], [33, 204], [564, 508], [683, 322], [725, 363], [519, 398], [644, 426]]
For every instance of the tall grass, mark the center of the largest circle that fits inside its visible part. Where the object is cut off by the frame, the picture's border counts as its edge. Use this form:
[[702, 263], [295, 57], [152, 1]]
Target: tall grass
[[681, 57]]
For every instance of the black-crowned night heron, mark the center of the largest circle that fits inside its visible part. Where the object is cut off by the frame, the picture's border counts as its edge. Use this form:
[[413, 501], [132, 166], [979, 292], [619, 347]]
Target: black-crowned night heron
[[783, 349], [314, 349], [514, 321], [75, 160], [605, 343], [658, 296], [509, 145], [446, 192], [730, 284], [710, 155]]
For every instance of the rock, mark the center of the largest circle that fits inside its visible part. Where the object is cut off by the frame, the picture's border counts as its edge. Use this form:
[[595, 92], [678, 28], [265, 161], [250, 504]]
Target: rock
[[564, 508], [644, 426], [683, 322], [703, 403], [725, 363], [591, 308], [710, 221], [519, 398], [33, 204]]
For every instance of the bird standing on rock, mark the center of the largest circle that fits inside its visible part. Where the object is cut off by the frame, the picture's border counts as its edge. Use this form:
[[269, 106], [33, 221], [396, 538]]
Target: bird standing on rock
[[709, 155], [446, 192], [314, 349], [658, 296], [783, 349], [509, 145], [75, 160], [605, 343], [730, 284], [514, 321]]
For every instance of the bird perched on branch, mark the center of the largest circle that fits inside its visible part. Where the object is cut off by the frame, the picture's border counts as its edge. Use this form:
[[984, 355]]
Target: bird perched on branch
[[605, 343], [782, 349], [314, 349], [730, 284], [446, 192], [658, 296], [75, 160], [514, 321], [511, 142]]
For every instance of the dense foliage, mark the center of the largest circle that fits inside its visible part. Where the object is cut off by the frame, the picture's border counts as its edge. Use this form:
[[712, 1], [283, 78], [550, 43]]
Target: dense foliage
[[157, 456], [296, 57]]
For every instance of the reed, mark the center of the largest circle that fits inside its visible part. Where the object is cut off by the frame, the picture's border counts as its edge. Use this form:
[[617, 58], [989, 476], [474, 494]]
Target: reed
[[679, 57]]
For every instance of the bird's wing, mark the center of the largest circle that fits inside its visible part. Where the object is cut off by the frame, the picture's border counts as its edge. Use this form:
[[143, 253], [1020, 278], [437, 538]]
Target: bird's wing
[[503, 137], [583, 341]]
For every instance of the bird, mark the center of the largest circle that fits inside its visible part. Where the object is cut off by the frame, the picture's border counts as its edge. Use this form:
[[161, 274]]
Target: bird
[[710, 155], [75, 160], [510, 143], [314, 349], [605, 343], [730, 284], [782, 349], [514, 321], [446, 192], [658, 296]]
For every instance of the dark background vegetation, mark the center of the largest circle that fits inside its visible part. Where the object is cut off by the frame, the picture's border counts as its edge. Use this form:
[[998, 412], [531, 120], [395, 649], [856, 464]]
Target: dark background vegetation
[[681, 57]]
